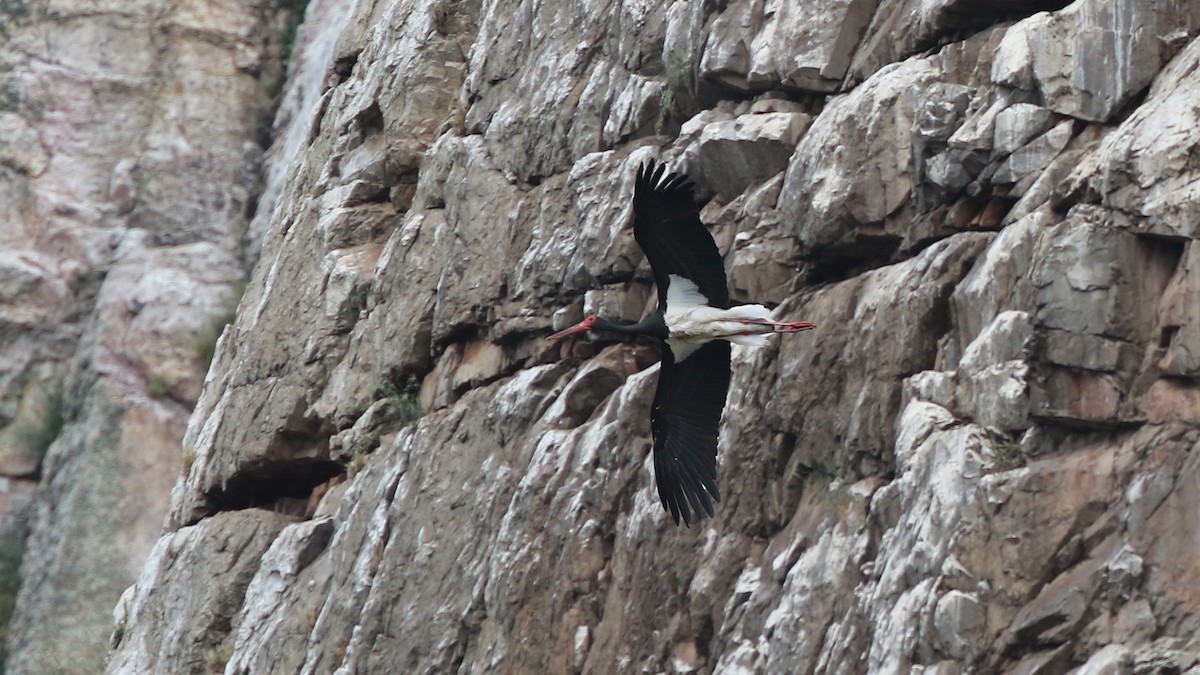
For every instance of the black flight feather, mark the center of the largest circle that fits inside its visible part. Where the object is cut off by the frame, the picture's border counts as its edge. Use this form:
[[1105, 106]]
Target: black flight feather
[[666, 225], [685, 421]]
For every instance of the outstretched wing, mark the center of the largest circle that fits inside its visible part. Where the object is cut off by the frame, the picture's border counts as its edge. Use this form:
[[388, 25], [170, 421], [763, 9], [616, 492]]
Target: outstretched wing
[[666, 224], [685, 421]]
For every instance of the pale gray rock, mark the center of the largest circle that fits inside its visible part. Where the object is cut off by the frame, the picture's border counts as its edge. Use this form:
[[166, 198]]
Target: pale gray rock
[[727, 48], [1038, 189], [312, 50], [21, 145], [128, 170], [846, 426], [202, 573], [938, 462], [947, 169], [959, 619], [834, 184], [538, 126], [357, 120], [998, 282], [993, 374], [732, 155], [1142, 166], [1089, 352], [1110, 660], [900, 28], [617, 302], [763, 264], [1034, 156], [1018, 124], [978, 130], [764, 44], [291, 552], [934, 386], [1181, 318], [1086, 292], [1092, 57]]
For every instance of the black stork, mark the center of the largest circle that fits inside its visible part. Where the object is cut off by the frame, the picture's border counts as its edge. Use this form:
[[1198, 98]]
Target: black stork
[[697, 323]]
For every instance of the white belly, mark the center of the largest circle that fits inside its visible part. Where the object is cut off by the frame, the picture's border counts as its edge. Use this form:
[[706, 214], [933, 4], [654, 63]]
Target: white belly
[[706, 323], [691, 322]]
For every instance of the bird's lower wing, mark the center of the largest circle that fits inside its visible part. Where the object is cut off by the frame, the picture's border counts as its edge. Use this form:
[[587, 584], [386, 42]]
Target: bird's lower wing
[[685, 421]]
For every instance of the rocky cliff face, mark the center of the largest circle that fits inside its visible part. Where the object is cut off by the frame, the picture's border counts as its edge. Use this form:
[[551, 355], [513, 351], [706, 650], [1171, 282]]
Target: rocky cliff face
[[984, 460]]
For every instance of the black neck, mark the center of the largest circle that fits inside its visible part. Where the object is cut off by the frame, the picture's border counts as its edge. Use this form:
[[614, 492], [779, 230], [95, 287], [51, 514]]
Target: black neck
[[652, 326]]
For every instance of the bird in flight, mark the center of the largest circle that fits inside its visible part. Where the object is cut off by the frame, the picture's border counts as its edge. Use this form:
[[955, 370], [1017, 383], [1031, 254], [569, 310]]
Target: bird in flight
[[696, 323]]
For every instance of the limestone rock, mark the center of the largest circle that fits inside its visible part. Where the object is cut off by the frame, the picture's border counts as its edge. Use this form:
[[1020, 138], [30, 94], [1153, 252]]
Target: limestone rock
[[847, 416], [730, 156], [1181, 318], [764, 44], [1019, 124], [763, 264], [1090, 58], [202, 574], [1141, 166], [959, 619], [993, 374], [1034, 156], [833, 185], [999, 282], [901, 28], [1081, 292]]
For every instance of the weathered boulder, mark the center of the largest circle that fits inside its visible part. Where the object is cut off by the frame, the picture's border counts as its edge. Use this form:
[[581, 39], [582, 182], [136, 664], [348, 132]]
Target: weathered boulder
[[767, 44], [1090, 58], [843, 196], [731, 155], [202, 572], [1142, 167], [901, 28]]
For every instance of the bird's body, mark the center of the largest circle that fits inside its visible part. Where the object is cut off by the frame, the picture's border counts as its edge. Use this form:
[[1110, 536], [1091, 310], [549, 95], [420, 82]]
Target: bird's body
[[697, 324], [692, 322]]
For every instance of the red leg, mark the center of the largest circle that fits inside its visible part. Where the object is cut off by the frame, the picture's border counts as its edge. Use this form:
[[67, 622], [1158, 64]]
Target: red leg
[[780, 326]]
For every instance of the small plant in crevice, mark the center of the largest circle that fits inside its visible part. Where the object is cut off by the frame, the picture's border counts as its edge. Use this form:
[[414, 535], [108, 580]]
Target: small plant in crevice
[[118, 633], [12, 13], [448, 17], [205, 342], [157, 387], [1007, 455], [1001, 452], [358, 458], [39, 432], [186, 459], [678, 89], [830, 481], [352, 308], [288, 40], [217, 656], [836, 495], [403, 400], [10, 96]]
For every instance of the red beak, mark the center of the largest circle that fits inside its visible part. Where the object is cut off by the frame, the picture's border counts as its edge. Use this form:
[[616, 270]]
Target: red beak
[[581, 327]]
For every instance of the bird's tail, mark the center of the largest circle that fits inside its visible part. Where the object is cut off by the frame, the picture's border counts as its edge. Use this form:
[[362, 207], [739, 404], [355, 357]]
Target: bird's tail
[[759, 324]]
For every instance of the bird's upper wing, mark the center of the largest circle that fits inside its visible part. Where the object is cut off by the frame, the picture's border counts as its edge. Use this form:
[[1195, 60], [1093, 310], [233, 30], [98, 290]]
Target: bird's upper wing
[[684, 421], [666, 224]]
